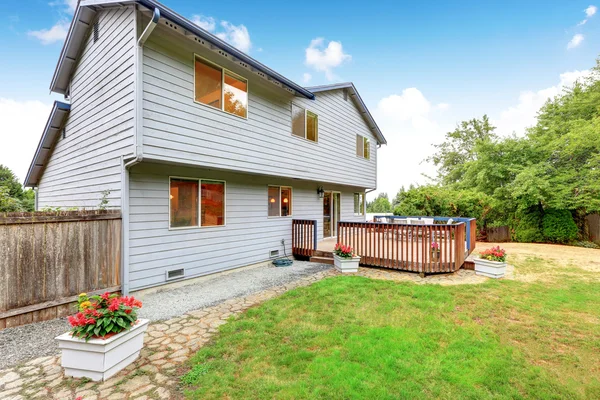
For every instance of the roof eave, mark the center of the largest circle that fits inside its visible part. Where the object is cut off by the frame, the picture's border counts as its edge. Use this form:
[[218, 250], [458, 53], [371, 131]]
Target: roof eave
[[51, 130], [365, 110], [85, 12]]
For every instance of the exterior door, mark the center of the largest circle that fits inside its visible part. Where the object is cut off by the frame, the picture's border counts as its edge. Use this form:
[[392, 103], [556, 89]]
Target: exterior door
[[327, 214]]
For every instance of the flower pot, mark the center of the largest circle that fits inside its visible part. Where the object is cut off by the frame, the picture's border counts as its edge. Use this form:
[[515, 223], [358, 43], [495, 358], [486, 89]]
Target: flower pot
[[491, 269], [346, 264], [99, 359]]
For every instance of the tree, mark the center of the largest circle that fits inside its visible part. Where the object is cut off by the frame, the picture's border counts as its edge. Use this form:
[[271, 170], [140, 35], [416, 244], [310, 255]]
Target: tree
[[458, 149], [380, 205], [12, 196]]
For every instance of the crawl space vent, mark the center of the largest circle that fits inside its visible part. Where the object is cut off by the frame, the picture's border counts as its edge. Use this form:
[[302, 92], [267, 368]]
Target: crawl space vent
[[274, 253], [175, 274]]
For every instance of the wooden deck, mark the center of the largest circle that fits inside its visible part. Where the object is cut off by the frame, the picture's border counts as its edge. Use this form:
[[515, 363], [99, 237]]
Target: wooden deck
[[402, 247]]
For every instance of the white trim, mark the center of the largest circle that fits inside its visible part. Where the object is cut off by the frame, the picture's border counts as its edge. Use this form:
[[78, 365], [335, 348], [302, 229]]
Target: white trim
[[364, 202], [223, 72], [199, 226], [291, 199]]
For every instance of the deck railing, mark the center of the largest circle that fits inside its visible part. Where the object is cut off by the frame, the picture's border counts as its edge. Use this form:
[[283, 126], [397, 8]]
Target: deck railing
[[407, 247], [304, 237], [470, 225]]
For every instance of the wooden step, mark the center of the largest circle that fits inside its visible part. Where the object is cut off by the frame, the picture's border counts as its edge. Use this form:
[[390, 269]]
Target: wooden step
[[322, 260], [320, 253]]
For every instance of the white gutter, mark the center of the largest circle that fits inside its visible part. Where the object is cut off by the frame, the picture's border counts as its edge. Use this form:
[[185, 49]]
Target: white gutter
[[137, 142]]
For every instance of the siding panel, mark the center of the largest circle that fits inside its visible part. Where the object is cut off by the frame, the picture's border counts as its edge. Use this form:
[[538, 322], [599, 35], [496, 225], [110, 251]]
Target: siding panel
[[177, 129], [100, 125], [247, 238]]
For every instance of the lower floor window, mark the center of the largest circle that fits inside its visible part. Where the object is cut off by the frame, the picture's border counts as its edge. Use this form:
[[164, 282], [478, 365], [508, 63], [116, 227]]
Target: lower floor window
[[280, 201], [359, 203], [196, 202]]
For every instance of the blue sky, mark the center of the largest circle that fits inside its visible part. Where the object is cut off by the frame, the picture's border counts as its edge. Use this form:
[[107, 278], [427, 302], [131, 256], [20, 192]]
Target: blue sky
[[420, 67]]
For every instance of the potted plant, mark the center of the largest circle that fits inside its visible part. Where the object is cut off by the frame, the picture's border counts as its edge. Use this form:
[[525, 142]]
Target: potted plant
[[344, 258], [435, 252], [106, 336], [491, 263]]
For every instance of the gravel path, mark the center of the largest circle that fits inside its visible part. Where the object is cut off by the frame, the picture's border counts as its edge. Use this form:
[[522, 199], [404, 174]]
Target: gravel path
[[26, 342]]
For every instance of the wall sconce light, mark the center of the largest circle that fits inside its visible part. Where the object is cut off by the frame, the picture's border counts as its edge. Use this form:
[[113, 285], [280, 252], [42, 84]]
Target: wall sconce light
[[285, 200], [320, 192], [272, 200]]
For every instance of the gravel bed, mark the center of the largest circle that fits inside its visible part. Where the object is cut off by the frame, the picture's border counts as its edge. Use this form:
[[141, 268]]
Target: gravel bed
[[31, 341], [170, 303]]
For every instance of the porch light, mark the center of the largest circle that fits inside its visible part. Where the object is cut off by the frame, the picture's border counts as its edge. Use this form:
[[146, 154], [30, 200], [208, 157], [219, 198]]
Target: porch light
[[285, 200], [320, 192], [272, 200]]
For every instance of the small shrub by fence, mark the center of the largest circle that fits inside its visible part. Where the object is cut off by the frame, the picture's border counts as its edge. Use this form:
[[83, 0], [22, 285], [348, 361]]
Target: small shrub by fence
[[48, 258]]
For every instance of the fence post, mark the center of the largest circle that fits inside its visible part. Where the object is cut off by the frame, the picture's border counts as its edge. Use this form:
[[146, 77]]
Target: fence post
[[315, 235]]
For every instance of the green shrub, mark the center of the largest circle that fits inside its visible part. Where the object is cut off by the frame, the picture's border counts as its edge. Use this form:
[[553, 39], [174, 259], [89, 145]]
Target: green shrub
[[529, 226], [559, 226]]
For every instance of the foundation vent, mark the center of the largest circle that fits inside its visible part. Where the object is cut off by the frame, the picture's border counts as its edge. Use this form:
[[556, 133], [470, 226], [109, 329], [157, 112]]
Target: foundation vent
[[274, 253], [175, 274]]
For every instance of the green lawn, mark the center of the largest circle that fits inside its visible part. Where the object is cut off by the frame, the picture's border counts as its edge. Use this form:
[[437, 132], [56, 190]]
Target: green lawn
[[354, 338]]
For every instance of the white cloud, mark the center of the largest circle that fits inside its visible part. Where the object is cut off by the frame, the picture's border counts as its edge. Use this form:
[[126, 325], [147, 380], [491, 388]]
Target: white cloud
[[57, 33], [517, 118], [25, 121], [306, 77], [589, 13], [443, 106], [206, 23], [411, 125], [71, 4], [325, 58], [575, 41], [236, 35]]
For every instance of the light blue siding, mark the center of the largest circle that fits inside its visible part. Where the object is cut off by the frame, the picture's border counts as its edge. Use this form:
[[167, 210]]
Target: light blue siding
[[176, 129], [247, 238], [100, 125]]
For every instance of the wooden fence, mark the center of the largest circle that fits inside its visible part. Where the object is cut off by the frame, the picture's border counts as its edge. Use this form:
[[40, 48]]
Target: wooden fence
[[498, 234], [407, 247], [304, 237], [48, 258], [593, 227]]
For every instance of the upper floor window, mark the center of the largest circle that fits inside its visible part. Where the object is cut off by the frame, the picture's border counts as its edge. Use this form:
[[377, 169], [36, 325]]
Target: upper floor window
[[280, 201], [196, 202], [359, 203], [305, 124], [363, 147], [219, 88]]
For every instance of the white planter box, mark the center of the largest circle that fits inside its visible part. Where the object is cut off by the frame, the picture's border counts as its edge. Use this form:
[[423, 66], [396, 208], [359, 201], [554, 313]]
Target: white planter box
[[99, 359], [491, 269], [346, 264]]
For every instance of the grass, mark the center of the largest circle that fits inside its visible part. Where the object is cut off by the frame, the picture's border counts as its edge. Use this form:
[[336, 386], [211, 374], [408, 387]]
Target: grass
[[354, 338]]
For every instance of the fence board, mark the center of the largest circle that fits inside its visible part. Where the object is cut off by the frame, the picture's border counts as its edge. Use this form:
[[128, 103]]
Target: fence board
[[53, 257]]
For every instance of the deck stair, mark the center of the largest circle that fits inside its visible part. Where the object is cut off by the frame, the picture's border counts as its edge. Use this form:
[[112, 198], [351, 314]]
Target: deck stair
[[322, 257]]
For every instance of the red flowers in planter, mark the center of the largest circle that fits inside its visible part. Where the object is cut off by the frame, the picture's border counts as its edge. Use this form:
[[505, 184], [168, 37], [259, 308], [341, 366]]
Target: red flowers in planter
[[343, 251], [494, 254], [103, 316]]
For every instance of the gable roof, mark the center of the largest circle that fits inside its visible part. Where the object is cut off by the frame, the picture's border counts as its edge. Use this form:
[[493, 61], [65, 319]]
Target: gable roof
[[359, 102], [84, 15], [51, 132]]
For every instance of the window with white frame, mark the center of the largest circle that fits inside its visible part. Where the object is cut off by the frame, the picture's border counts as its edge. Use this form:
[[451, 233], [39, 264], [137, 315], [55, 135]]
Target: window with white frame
[[280, 201], [363, 147], [359, 203], [196, 202], [305, 124], [219, 88]]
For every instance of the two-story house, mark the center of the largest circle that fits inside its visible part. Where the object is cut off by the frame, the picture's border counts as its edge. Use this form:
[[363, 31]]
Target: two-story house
[[208, 153]]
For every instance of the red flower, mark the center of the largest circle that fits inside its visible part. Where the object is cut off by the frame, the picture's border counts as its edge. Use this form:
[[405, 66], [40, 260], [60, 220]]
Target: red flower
[[114, 304], [105, 296]]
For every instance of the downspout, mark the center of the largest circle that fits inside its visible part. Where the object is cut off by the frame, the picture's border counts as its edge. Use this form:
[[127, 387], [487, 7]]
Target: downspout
[[137, 140]]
